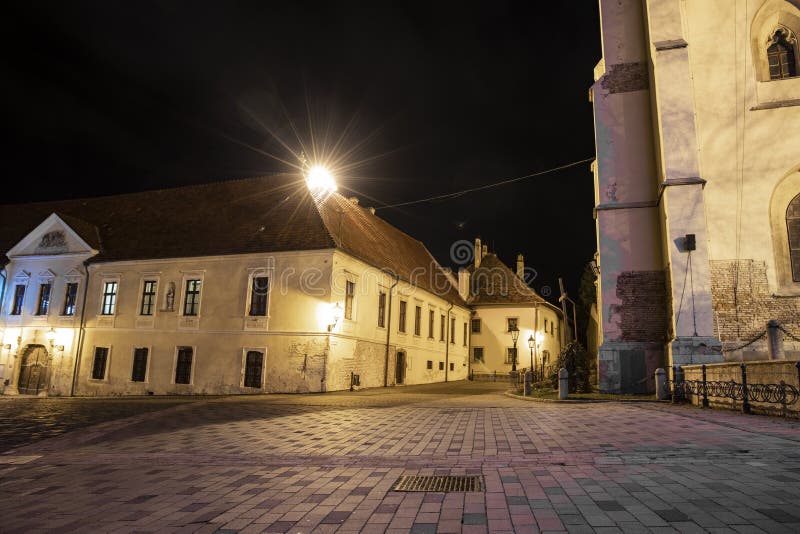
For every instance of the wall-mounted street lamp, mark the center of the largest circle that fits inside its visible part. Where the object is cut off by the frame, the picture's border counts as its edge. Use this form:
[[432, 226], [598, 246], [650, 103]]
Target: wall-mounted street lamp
[[51, 338], [336, 316], [514, 331]]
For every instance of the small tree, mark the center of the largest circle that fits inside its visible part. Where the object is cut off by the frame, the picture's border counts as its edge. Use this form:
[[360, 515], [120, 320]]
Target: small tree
[[578, 364]]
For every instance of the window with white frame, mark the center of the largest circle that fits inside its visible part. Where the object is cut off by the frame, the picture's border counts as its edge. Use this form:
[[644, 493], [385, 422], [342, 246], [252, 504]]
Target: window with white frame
[[139, 371], [382, 309], [183, 365], [349, 297], [148, 305], [43, 305], [100, 363], [191, 297], [70, 298], [782, 54], [109, 306], [511, 355], [476, 326], [19, 299], [253, 369], [259, 295], [477, 354]]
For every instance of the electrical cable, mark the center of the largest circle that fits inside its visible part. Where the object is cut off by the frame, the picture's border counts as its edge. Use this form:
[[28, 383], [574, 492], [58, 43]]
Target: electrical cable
[[487, 186]]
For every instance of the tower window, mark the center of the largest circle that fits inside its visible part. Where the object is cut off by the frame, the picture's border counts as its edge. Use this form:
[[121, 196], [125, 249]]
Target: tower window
[[781, 55]]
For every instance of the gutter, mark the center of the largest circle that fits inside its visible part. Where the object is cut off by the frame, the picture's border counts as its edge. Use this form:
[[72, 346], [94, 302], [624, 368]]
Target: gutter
[[81, 331], [447, 343], [389, 331]]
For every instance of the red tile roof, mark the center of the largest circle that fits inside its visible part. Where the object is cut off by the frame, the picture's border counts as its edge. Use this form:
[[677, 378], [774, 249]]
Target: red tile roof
[[255, 215], [494, 283]]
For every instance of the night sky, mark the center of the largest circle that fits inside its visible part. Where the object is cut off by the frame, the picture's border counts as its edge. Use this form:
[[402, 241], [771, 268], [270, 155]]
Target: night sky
[[113, 97]]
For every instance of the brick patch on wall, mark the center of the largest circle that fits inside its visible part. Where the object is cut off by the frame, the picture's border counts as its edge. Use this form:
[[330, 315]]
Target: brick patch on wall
[[642, 314], [742, 313]]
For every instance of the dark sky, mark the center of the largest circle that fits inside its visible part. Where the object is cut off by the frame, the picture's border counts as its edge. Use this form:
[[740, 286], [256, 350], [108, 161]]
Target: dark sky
[[110, 97]]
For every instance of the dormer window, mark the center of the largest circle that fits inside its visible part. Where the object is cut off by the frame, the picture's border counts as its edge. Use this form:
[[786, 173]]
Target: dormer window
[[782, 54]]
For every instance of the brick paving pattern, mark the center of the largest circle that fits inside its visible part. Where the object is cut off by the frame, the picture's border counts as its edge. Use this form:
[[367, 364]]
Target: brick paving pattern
[[327, 463]]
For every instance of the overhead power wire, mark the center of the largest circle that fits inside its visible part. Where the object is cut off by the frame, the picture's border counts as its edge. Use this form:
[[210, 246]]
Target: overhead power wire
[[487, 186]]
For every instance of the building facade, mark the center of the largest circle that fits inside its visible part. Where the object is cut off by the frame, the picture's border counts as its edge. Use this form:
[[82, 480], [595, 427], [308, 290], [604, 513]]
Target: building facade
[[697, 123], [501, 301], [246, 286]]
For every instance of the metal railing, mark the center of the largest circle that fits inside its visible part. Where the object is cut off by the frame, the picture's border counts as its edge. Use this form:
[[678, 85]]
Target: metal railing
[[744, 392]]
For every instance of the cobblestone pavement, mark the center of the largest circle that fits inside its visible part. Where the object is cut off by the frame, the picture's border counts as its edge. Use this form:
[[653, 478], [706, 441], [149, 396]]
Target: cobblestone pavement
[[327, 463]]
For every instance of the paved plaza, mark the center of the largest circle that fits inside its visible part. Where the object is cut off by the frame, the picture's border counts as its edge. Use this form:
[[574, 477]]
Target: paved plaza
[[325, 463]]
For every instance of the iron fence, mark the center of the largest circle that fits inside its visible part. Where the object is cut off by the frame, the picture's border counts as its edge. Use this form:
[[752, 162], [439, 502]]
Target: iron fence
[[781, 393]]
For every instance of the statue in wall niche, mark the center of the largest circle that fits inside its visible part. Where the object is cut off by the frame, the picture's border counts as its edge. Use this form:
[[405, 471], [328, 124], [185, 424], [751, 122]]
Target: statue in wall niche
[[169, 299]]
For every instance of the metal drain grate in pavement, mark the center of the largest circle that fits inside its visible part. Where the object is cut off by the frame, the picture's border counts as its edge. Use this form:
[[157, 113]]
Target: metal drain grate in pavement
[[441, 483]]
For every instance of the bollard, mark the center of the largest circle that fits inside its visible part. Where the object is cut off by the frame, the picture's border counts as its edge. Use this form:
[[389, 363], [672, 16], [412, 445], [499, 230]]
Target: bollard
[[661, 384], [745, 400], [775, 341], [528, 383], [705, 388], [563, 384]]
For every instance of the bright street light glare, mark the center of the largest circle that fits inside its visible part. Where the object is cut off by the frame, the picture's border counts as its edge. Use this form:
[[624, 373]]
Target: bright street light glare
[[319, 178]]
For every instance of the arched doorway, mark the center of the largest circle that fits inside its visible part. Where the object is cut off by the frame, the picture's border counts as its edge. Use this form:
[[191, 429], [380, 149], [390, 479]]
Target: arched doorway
[[34, 375]]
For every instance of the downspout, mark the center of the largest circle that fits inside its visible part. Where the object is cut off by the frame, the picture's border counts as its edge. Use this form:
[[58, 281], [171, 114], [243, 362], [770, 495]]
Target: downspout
[[447, 344], [389, 331], [81, 331]]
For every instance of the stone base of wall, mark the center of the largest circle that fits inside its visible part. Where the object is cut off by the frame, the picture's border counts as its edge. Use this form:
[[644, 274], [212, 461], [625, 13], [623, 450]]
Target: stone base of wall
[[628, 367], [743, 304], [689, 350], [772, 372]]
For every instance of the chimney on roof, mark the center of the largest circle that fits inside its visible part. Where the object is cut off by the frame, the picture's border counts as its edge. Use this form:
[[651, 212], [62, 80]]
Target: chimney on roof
[[354, 200], [463, 283], [476, 252], [520, 267]]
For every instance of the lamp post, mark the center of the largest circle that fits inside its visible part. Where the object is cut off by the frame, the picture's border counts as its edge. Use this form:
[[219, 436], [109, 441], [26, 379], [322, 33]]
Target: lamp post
[[514, 331], [531, 345], [537, 342]]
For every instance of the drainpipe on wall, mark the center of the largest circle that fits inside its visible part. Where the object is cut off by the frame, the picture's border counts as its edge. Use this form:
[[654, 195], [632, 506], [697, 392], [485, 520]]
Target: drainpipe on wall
[[389, 331], [81, 332], [447, 344]]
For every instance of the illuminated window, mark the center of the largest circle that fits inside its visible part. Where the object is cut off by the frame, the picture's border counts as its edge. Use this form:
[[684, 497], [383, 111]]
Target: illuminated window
[[109, 298], [259, 294], [781, 55], [70, 298], [148, 297], [191, 300], [44, 299], [19, 299]]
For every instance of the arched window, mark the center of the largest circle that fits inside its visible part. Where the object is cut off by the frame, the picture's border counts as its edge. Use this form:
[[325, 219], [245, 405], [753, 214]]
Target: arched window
[[793, 228], [781, 54]]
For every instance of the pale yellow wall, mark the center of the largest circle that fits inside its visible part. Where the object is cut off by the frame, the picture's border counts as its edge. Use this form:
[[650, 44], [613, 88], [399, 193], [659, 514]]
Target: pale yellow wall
[[758, 147], [495, 339]]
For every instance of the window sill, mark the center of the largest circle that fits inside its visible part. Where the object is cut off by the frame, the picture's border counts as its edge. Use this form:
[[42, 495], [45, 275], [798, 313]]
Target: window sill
[[777, 94]]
